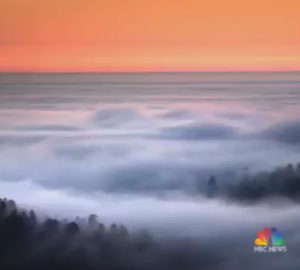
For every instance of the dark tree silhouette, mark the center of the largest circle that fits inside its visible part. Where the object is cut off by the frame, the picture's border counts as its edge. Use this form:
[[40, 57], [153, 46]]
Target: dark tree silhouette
[[29, 243], [283, 181], [211, 187]]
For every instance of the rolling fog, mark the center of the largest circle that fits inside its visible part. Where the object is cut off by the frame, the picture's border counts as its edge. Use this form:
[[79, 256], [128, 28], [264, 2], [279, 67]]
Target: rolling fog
[[138, 149]]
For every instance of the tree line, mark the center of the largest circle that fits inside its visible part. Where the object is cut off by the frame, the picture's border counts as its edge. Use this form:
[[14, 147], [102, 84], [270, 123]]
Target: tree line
[[281, 182], [29, 243]]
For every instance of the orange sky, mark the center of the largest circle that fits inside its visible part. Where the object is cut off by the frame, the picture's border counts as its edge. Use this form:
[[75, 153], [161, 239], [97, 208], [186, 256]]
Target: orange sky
[[149, 35]]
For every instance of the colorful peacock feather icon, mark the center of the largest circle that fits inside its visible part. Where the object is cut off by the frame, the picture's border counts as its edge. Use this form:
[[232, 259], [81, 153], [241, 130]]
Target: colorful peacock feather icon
[[277, 239], [263, 238]]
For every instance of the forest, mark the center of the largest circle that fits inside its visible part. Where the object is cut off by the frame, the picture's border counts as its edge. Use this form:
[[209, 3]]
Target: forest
[[29, 242], [281, 182]]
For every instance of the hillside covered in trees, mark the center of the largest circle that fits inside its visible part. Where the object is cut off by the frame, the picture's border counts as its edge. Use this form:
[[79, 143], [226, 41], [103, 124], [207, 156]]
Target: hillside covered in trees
[[281, 182], [27, 243]]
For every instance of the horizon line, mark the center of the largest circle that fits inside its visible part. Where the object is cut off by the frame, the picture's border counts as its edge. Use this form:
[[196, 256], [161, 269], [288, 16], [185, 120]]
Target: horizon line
[[148, 72]]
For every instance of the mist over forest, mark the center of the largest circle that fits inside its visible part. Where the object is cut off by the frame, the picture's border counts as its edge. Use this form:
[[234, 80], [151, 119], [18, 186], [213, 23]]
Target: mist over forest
[[148, 171], [29, 241]]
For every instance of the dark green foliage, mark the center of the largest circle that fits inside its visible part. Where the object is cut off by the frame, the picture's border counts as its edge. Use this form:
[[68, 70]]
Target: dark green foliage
[[284, 182], [29, 244]]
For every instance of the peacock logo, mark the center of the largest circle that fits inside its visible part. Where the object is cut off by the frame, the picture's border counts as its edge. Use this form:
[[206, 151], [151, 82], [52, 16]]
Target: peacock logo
[[269, 240], [263, 237]]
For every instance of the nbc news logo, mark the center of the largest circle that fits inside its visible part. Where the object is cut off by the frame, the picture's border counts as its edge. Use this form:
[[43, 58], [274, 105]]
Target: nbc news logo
[[269, 240]]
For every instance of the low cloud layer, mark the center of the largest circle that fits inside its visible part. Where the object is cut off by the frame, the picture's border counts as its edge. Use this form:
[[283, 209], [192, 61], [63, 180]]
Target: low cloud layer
[[47, 128], [200, 132], [284, 132], [115, 117], [19, 140], [170, 215], [179, 158], [140, 154]]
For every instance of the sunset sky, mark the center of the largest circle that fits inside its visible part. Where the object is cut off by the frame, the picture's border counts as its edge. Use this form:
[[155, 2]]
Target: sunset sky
[[144, 35]]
